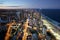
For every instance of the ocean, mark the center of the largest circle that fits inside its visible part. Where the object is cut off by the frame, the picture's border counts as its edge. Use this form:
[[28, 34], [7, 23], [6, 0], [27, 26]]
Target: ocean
[[54, 14]]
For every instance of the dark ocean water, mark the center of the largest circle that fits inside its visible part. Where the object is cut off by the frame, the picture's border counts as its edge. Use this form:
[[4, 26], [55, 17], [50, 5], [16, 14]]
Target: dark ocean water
[[52, 13]]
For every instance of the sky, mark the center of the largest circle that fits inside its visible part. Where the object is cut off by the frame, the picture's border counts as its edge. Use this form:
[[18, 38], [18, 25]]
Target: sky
[[53, 4]]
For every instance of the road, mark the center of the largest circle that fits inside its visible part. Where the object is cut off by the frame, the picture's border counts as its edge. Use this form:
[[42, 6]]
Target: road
[[25, 30]]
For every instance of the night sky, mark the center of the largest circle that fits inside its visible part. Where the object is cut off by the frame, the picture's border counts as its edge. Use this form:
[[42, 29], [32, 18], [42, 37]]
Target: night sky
[[55, 4]]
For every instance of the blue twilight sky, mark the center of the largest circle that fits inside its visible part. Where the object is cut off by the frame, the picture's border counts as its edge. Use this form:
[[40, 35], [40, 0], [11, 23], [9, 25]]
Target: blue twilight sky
[[32, 3]]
